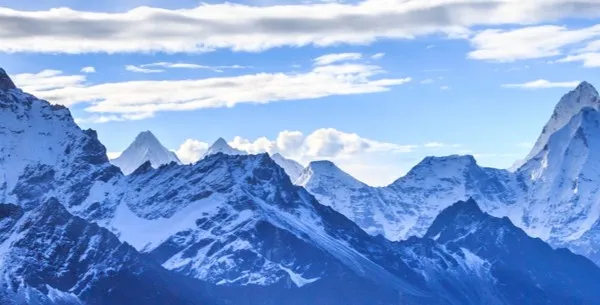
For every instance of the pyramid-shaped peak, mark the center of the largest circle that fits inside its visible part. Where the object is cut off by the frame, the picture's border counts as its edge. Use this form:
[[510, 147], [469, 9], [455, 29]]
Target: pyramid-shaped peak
[[221, 142], [5, 82], [145, 136], [221, 146], [570, 105]]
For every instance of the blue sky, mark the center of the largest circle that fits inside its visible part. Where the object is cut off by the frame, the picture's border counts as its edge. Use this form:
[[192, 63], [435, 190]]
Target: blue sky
[[431, 80]]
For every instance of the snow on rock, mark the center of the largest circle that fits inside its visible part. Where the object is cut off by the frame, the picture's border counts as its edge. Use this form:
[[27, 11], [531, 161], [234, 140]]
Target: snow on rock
[[44, 154], [146, 147]]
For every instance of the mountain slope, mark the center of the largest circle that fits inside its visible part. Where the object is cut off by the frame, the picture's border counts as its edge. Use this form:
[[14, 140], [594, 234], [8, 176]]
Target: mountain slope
[[44, 154], [516, 260], [145, 147], [48, 256], [292, 168]]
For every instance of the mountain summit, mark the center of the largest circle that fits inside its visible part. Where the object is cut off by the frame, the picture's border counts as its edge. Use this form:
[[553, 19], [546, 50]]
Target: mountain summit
[[5, 82], [583, 96], [146, 147]]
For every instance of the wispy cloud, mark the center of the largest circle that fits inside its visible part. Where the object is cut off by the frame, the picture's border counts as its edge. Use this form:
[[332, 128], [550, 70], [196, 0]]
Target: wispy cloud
[[378, 55], [528, 42], [426, 81], [542, 84], [171, 65], [134, 100], [337, 57], [137, 69], [589, 59]]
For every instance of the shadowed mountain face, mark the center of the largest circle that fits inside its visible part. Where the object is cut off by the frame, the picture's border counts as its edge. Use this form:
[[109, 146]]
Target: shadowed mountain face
[[238, 223], [51, 255]]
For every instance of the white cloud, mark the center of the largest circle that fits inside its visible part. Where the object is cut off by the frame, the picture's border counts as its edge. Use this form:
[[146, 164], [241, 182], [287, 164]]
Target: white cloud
[[440, 145], [378, 56], [321, 143], [444, 88], [171, 65], [88, 70], [243, 27], [137, 69], [434, 145], [47, 81], [589, 59], [132, 100], [360, 156], [543, 84], [426, 81], [337, 57], [191, 150], [527, 43]]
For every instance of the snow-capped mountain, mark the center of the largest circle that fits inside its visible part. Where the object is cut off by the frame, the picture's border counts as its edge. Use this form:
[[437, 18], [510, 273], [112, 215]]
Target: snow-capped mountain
[[292, 168], [145, 147], [235, 221], [584, 96], [554, 195], [221, 146], [408, 206]]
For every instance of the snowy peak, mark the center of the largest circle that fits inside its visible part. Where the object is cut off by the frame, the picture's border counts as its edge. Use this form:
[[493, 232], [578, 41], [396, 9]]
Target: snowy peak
[[147, 138], [221, 146], [292, 168], [5, 82], [145, 148], [326, 173], [583, 96], [440, 167]]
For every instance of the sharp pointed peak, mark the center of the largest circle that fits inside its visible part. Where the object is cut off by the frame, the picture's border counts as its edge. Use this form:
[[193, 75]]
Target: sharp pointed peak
[[145, 135], [5, 82], [585, 86]]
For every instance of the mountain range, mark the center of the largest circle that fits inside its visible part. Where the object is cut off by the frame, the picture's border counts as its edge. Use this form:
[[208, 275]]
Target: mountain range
[[236, 229]]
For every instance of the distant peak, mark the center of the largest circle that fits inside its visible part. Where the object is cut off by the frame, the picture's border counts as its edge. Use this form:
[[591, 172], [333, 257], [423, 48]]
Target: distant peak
[[456, 161], [323, 165], [145, 135], [329, 171], [220, 143], [5, 82], [221, 146]]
